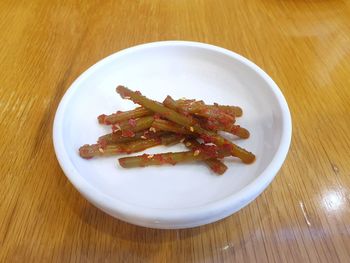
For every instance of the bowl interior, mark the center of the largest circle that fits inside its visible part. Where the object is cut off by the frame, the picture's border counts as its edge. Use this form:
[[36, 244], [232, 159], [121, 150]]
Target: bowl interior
[[179, 71]]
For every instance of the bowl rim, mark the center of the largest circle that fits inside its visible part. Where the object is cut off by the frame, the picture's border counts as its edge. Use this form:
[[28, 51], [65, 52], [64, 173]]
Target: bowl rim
[[179, 217]]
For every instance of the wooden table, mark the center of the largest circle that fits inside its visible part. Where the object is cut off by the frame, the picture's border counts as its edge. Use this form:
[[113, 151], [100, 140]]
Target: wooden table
[[303, 216]]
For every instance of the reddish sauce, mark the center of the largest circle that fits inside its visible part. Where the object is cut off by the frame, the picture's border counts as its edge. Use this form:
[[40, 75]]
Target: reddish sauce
[[159, 158], [235, 128], [206, 138], [132, 122], [102, 143], [169, 160], [128, 133], [227, 147], [209, 150], [216, 168], [156, 116]]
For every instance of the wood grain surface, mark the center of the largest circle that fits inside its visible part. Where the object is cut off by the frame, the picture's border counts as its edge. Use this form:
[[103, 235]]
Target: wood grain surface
[[303, 216]]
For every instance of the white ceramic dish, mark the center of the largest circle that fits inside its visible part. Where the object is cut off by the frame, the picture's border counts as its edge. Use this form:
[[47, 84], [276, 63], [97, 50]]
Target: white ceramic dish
[[185, 195]]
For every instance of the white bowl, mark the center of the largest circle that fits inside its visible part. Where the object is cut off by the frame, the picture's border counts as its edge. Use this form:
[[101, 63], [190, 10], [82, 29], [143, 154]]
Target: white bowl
[[185, 195]]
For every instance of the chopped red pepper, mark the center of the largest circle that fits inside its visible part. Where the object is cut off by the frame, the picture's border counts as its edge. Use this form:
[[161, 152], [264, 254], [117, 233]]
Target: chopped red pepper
[[128, 133], [132, 122]]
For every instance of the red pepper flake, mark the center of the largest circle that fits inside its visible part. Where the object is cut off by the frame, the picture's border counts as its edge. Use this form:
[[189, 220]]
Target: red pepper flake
[[211, 125], [235, 128], [118, 112], [103, 143], [138, 92], [144, 156], [156, 116], [206, 138], [132, 122], [159, 158], [128, 133], [209, 150], [227, 147], [216, 168]]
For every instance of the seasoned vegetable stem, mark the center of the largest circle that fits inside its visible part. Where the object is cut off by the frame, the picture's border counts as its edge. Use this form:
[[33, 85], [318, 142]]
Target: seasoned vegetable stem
[[133, 125], [167, 123], [165, 158], [214, 164], [164, 125], [117, 137], [89, 151], [210, 136], [123, 115]]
